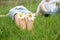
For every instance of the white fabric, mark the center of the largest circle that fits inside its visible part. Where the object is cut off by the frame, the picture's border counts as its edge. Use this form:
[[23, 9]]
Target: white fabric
[[18, 9], [49, 5]]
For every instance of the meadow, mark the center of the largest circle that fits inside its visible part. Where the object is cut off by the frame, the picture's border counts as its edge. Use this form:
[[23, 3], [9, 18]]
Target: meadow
[[45, 28]]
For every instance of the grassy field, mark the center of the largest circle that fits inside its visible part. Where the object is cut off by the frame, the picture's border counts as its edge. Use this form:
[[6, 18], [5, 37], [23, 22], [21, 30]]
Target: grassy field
[[44, 28]]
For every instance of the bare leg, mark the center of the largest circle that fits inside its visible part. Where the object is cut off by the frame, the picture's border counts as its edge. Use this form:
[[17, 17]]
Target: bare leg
[[20, 22], [46, 12], [59, 7], [43, 8]]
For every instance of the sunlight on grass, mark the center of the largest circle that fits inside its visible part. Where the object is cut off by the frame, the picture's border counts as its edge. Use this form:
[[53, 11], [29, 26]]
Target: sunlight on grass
[[44, 28]]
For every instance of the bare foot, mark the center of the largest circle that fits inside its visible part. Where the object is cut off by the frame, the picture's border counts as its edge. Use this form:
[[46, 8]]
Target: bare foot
[[30, 25]]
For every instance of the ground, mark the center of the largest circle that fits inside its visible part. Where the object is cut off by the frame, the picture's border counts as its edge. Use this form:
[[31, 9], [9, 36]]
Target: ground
[[45, 28]]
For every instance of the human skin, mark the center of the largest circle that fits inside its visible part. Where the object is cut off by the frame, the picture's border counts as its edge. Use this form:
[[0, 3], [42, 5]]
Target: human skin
[[23, 24]]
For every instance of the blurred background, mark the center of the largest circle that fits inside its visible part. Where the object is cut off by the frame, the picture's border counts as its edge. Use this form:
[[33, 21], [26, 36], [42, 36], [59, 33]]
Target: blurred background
[[12, 3], [16, 2]]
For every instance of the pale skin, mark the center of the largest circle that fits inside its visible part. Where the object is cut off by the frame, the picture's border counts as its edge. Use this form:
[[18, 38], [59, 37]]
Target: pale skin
[[42, 6], [23, 24]]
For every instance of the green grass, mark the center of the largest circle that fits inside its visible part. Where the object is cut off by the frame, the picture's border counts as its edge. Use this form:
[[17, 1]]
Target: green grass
[[44, 28]]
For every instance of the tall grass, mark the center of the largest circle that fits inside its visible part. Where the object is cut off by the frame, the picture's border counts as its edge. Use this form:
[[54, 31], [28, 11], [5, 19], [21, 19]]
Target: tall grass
[[44, 28]]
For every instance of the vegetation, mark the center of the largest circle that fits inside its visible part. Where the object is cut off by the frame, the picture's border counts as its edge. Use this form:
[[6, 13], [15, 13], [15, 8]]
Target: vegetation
[[44, 28]]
